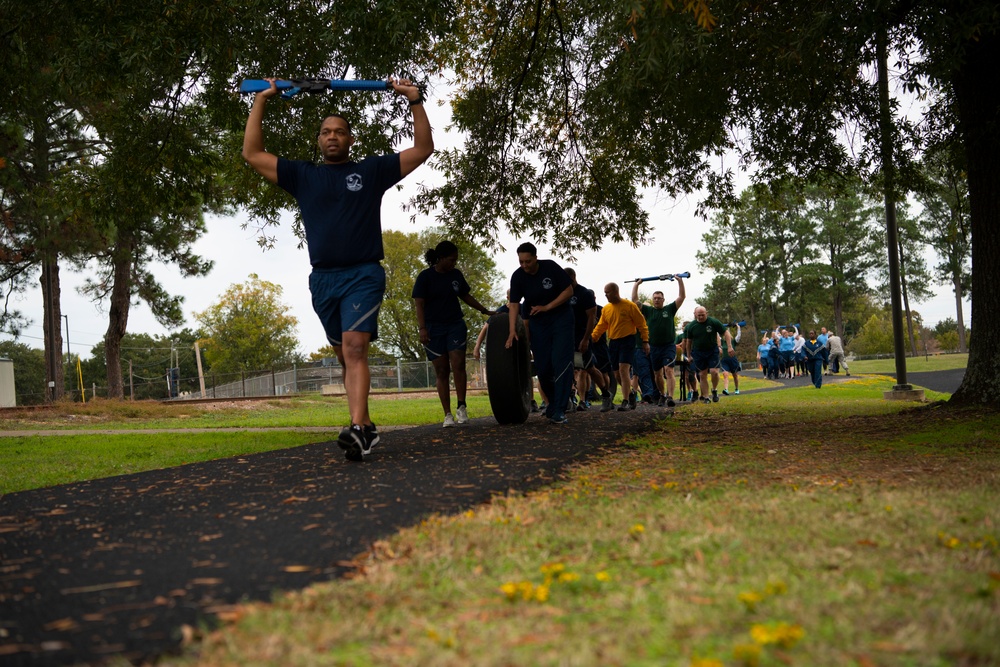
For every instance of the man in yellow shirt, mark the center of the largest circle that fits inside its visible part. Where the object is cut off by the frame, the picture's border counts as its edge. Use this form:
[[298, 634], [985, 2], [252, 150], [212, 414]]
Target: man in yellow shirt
[[622, 319]]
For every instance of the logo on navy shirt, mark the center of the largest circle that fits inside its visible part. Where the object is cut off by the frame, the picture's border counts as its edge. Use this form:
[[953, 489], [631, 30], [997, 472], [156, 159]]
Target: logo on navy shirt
[[454, 286], [547, 283], [354, 182]]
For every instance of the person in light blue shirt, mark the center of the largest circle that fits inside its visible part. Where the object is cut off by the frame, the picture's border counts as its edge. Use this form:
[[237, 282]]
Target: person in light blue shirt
[[762, 351], [786, 345], [823, 336]]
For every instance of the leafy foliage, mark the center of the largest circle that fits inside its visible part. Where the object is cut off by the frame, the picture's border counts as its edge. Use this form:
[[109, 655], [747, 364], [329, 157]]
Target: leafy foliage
[[248, 328], [791, 252], [875, 336]]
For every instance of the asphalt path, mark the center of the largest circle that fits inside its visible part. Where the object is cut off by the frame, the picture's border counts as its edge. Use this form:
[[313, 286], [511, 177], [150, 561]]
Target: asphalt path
[[118, 566], [943, 381]]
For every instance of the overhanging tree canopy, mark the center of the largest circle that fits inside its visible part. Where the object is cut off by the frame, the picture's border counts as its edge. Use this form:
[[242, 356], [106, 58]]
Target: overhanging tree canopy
[[570, 108]]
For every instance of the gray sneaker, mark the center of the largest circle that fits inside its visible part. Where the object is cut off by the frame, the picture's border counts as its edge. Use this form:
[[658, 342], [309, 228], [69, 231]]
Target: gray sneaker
[[461, 415], [449, 421], [607, 403]]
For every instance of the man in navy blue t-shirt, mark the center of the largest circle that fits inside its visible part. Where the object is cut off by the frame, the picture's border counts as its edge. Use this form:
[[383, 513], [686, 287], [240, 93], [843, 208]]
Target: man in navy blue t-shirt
[[340, 201], [546, 289]]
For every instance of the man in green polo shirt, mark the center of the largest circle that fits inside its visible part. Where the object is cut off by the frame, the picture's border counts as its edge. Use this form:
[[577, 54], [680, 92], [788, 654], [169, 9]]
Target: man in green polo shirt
[[701, 338], [662, 332]]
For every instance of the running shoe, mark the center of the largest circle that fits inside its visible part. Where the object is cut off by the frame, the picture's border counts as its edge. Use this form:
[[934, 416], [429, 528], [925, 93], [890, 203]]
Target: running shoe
[[715, 397], [461, 415], [670, 402], [736, 392], [725, 392], [354, 443], [631, 401], [663, 401], [449, 421], [607, 403], [706, 399], [558, 419], [371, 437], [624, 406]]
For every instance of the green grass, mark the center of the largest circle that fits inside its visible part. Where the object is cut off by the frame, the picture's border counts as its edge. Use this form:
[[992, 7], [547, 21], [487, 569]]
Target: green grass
[[389, 410], [35, 461], [801, 527], [941, 362]]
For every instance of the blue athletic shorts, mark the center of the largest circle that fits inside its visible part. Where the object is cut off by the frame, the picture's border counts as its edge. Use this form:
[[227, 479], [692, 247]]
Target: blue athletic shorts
[[731, 364], [585, 360], [662, 356], [348, 299], [446, 338], [702, 360], [622, 350]]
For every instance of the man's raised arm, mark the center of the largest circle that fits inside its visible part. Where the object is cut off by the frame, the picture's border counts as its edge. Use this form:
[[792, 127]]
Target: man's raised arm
[[423, 141], [635, 290], [262, 162]]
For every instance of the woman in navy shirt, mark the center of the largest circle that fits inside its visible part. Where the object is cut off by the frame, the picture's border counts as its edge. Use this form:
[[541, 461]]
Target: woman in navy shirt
[[443, 332]]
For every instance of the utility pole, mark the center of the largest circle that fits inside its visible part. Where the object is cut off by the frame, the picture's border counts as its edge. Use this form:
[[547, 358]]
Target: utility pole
[[201, 374], [902, 390]]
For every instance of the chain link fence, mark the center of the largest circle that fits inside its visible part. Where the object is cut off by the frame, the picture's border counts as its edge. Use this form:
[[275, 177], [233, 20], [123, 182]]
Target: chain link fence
[[322, 377]]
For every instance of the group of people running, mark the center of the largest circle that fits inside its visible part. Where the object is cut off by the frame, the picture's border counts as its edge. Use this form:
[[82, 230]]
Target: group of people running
[[573, 348], [786, 353], [581, 354]]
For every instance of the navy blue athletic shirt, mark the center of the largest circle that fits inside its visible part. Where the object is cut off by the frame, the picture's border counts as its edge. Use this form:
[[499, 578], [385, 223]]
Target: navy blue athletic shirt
[[540, 289], [582, 301], [440, 292], [341, 207]]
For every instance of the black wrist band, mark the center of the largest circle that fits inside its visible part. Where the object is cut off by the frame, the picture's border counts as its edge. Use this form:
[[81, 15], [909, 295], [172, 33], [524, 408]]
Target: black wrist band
[[417, 101]]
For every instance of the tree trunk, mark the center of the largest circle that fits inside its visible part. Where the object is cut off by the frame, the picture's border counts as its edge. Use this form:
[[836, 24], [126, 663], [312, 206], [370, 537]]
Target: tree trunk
[[121, 292], [959, 295], [838, 310], [978, 112], [52, 331]]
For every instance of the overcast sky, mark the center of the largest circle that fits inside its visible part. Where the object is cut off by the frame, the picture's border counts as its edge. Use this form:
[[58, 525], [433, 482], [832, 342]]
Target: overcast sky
[[677, 236]]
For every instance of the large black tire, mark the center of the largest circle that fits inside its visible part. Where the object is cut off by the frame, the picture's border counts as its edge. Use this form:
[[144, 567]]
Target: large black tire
[[508, 371]]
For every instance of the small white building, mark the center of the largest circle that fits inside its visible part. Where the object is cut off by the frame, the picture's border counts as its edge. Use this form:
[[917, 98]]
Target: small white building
[[8, 398]]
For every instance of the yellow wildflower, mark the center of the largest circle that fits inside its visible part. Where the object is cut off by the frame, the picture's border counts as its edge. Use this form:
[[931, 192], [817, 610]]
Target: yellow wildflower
[[747, 654], [750, 599], [781, 634], [706, 662]]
